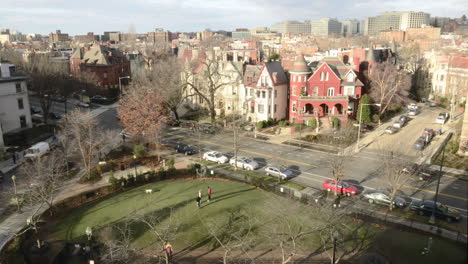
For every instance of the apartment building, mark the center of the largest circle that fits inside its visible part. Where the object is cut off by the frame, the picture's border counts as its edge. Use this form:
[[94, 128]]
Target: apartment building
[[326, 27], [395, 21], [15, 111], [291, 26], [58, 36]]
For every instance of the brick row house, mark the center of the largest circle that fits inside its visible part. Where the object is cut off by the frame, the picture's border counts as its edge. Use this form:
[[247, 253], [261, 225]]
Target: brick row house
[[332, 89], [101, 67]]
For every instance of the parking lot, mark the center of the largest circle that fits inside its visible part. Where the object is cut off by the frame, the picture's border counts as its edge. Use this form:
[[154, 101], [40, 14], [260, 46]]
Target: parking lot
[[403, 140]]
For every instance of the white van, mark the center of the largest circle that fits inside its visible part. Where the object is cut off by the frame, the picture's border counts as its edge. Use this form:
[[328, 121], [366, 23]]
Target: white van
[[37, 150]]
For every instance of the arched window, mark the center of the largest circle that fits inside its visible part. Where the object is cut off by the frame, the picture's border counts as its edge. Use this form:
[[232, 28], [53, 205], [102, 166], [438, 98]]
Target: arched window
[[331, 91]]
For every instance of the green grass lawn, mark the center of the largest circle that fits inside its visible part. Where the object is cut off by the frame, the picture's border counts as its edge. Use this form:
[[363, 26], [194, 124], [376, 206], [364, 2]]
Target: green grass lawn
[[176, 194], [227, 196]]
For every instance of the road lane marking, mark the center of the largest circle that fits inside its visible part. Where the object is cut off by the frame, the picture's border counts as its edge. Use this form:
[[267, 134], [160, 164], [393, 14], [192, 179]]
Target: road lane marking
[[310, 165], [429, 191]]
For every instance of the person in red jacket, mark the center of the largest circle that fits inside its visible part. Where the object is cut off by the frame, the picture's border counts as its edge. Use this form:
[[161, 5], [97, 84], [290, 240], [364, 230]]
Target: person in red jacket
[[209, 193]]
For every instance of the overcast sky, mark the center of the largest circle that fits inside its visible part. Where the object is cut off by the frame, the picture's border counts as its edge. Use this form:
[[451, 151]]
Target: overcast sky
[[81, 16]]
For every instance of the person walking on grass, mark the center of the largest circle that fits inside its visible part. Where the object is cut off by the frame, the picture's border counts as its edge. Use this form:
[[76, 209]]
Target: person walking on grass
[[209, 193], [198, 202], [168, 248]]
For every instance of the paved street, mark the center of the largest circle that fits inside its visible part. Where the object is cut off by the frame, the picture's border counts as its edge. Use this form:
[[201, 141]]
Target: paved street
[[402, 141]]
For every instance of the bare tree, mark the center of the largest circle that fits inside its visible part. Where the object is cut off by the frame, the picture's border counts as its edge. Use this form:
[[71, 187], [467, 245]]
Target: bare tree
[[205, 78], [33, 224], [165, 77], [142, 112], [234, 231], [338, 231], [163, 224], [88, 137], [117, 239], [394, 173], [389, 86], [337, 165], [289, 227]]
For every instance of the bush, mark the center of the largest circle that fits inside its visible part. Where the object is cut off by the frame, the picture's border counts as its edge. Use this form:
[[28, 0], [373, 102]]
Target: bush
[[312, 123], [311, 138], [112, 180], [270, 122], [298, 126], [162, 173], [261, 124], [443, 100], [462, 104], [170, 163], [336, 122], [397, 108], [375, 118], [139, 151], [283, 123], [93, 177]]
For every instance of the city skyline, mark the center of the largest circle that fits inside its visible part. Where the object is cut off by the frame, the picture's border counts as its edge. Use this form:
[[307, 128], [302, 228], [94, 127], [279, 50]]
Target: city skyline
[[45, 16]]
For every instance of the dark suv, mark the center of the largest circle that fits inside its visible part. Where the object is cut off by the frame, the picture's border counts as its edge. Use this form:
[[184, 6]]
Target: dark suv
[[185, 149], [425, 207]]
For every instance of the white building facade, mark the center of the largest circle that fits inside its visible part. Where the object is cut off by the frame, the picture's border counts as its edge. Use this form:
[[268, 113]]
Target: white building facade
[[15, 110], [267, 98]]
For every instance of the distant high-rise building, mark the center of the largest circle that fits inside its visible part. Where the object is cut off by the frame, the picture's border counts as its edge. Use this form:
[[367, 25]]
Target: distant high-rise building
[[58, 36], [160, 35], [395, 21], [352, 27], [107, 34], [439, 21], [289, 26], [241, 33], [326, 27]]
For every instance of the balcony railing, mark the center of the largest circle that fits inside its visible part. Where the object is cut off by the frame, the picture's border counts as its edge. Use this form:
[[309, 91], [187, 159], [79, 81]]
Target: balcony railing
[[323, 98]]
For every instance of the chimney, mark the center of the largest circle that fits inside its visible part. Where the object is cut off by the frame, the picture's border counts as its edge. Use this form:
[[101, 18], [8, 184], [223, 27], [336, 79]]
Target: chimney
[[275, 74], [356, 62]]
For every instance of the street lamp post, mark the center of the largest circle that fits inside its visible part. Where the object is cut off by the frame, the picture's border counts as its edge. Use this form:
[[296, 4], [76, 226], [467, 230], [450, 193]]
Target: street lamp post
[[335, 236], [432, 219], [360, 124], [134, 164], [13, 178], [120, 83]]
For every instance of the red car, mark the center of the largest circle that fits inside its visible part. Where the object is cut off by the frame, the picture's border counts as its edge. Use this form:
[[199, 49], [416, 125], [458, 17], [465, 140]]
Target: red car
[[343, 187]]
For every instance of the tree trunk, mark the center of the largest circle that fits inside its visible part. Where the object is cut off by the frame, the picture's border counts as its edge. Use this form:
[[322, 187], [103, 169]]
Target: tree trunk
[[175, 114]]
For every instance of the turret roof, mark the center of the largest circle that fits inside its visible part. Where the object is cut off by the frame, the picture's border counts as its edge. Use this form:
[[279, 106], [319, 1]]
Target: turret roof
[[300, 66]]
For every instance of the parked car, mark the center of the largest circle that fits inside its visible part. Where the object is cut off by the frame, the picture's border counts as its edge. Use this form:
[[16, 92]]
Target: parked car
[[442, 118], [342, 187], [391, 130], [404, 119], [278, 171], [82, 105], [364, 127], [37, 118], [35, 110], [173, 123], [187, 124], [55, 115], [383, 197], [419, 173], [431, 103], [425, 207], [185, 149], [125, 134], [428, 134], [398, 124], [244, 162], [413, 112], [413, 106], [37, 150], [249, 127], [207, 128], [59, 98], [98, 99], [420, 143], [215, 157]]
